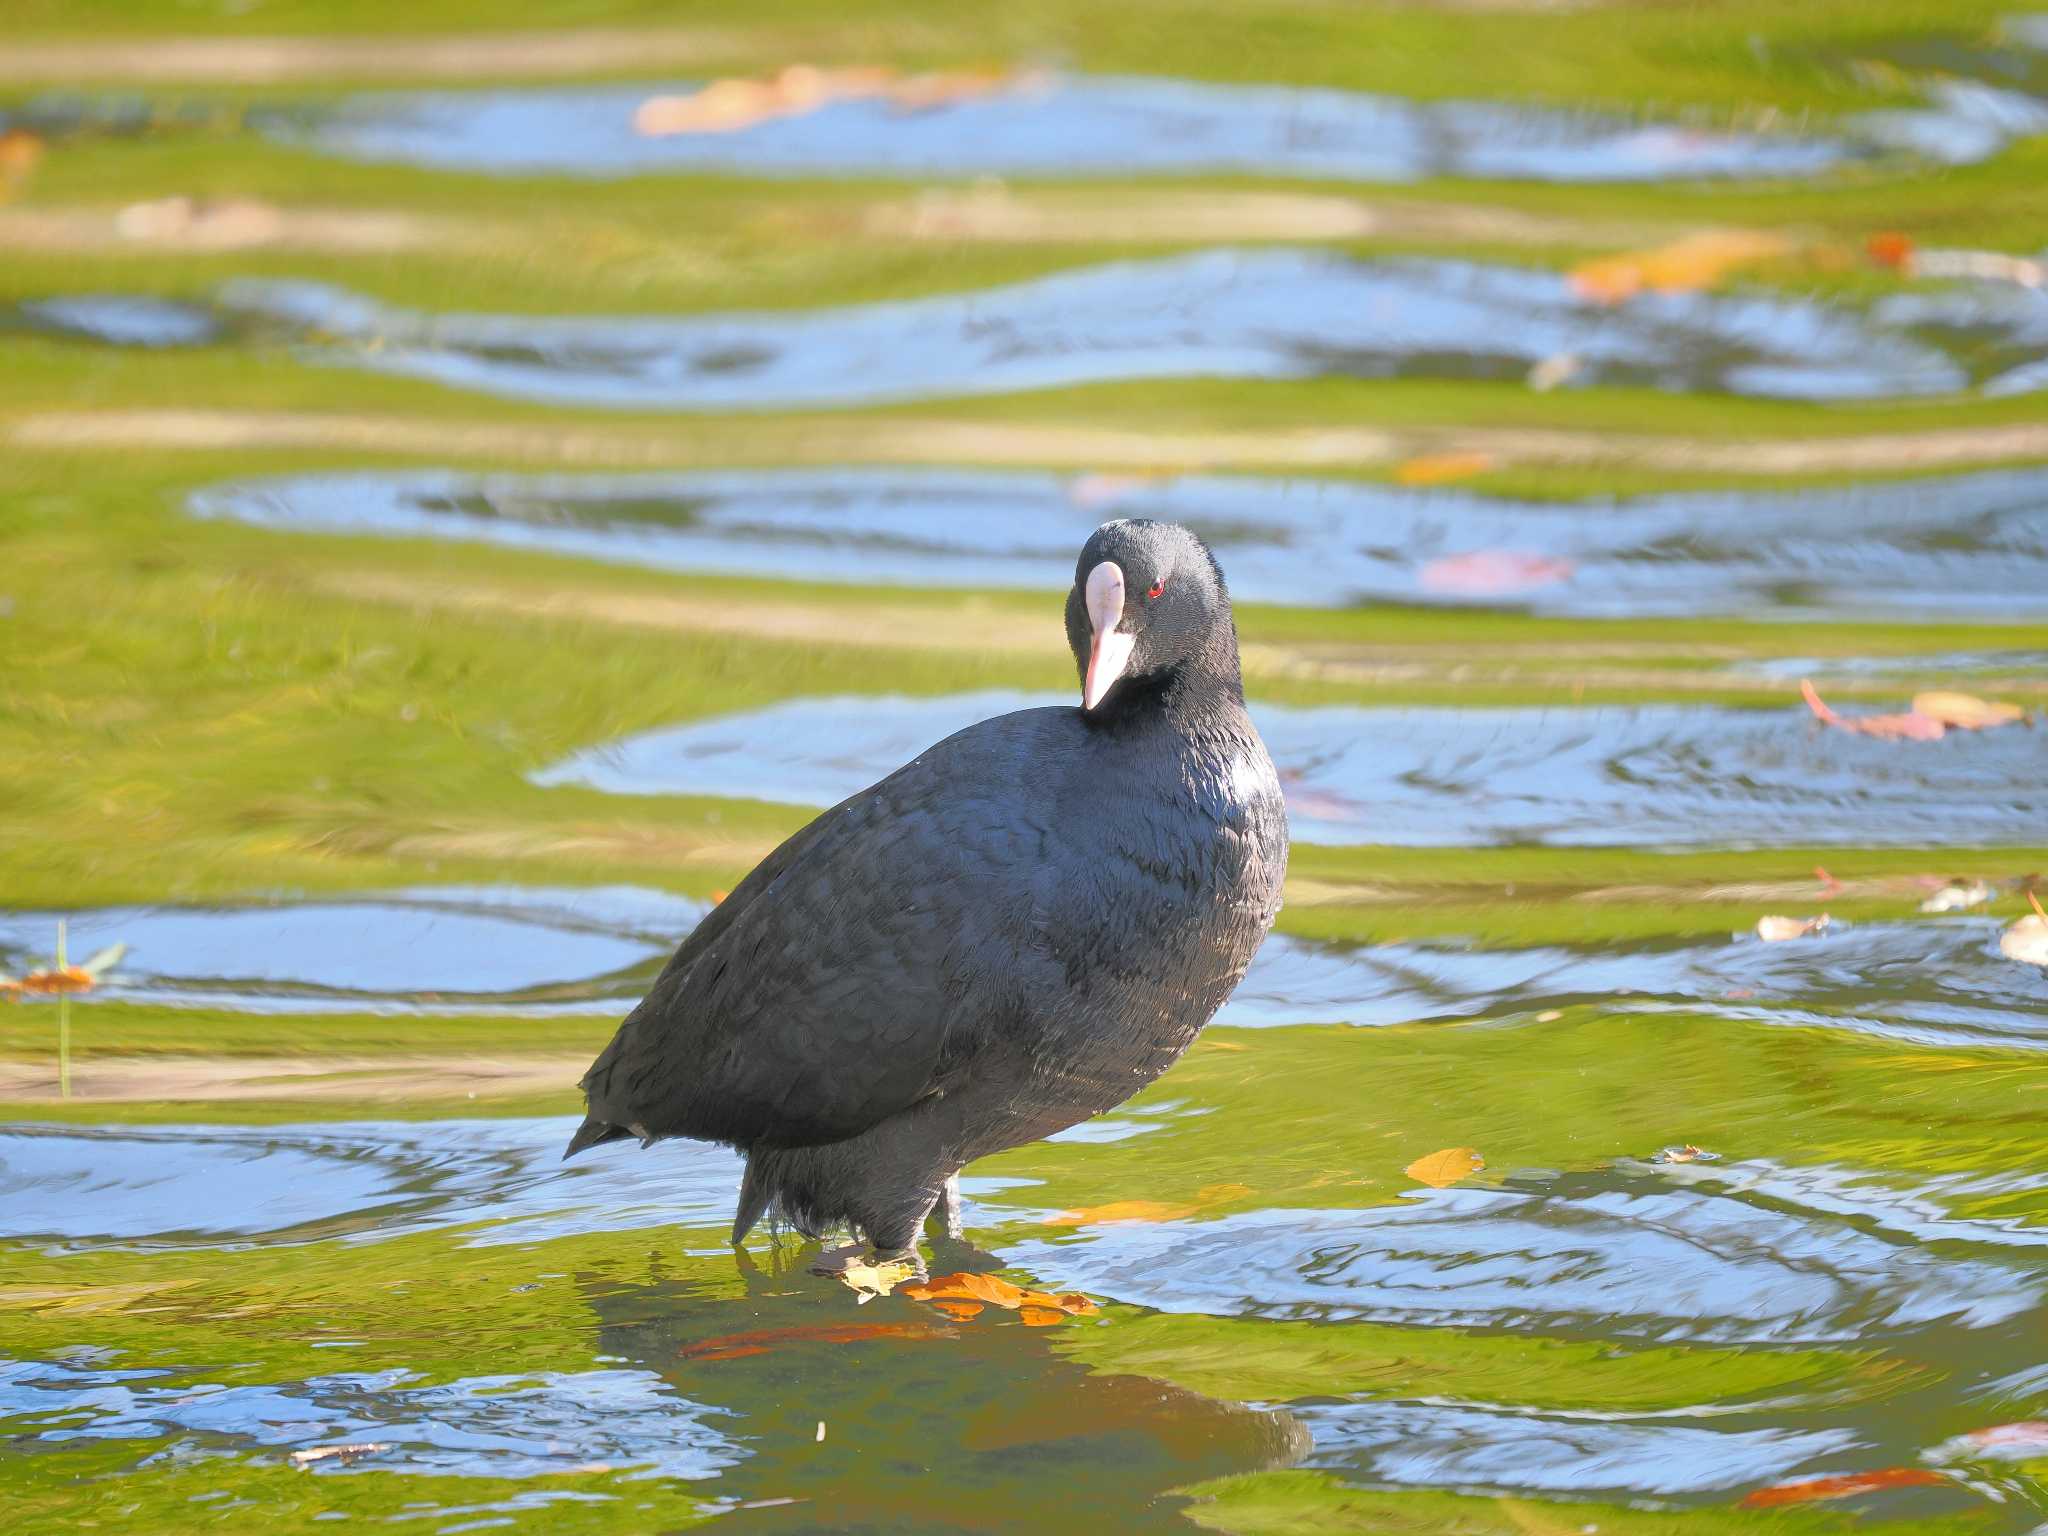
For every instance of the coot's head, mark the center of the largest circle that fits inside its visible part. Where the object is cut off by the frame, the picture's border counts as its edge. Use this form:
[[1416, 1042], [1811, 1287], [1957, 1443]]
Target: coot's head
[[1149, 607]]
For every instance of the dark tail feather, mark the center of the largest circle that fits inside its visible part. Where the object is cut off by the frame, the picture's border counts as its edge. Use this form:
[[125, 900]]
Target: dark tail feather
[[755, 1193], [595, 1133]]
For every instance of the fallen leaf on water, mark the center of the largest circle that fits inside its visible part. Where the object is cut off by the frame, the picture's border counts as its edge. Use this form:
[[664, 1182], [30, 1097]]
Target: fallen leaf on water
[[1441, 468], [1776, 930], [1814, 1489], [735, 1346], [1911, 726], [1957, 896], [1486, 571], [1891, 249], [868, 1281], [2001, 1442], [64, 978], [1442, 1169], [1964, 711], [1829, 885], [1686, 1154], [314, 1453], [1686, 265], [957, 1292]]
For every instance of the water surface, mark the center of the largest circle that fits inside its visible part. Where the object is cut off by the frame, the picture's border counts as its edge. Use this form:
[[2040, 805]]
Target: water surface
[[1931, 548], [1664, 775]]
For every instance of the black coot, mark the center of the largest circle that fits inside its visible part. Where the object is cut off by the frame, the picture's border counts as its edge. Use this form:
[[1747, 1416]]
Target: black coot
[[1016, 930]]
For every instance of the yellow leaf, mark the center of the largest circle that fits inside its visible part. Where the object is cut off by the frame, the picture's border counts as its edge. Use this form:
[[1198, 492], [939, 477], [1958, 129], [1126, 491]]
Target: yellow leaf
[[872, 1280], [1442, 1169], [1684, 266], [1441, 468]]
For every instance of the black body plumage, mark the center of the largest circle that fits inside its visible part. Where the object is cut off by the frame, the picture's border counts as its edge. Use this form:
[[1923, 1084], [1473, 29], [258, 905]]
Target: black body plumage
[[1016, 930]]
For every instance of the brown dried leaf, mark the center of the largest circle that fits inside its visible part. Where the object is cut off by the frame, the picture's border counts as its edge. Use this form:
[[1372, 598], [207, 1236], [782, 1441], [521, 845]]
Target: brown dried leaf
[[1442, 1169], [1813, 1489], [966, 1286]]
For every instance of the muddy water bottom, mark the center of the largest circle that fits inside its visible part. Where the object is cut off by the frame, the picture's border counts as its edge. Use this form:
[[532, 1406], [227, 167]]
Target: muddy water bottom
[[1931, 548], [445, 949], [1236, 314], [1581, 1334], [1653, 776]]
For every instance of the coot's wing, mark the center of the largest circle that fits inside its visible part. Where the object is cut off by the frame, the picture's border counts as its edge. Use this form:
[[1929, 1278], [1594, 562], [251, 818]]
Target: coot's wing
[[863, 958]]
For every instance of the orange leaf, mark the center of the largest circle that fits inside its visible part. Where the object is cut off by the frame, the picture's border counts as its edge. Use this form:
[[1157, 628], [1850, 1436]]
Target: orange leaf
[[1964, 711], [1441, 468], [960, 1309], [1814, 1489], [1892, 249], [1442, 1169], [1040, 1317], [964, 1285], [62, 978], [733, 1346], [1684, 266]]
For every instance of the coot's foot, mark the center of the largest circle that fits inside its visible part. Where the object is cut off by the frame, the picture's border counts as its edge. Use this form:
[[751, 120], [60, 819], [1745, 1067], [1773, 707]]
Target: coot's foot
[[836, 1262]]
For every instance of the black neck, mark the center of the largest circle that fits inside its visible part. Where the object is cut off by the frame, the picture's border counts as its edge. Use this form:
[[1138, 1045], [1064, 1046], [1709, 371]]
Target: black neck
[[1203, 690]]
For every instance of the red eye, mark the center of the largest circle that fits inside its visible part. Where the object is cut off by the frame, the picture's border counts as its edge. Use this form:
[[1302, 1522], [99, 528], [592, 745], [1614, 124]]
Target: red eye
[[1154, 590]]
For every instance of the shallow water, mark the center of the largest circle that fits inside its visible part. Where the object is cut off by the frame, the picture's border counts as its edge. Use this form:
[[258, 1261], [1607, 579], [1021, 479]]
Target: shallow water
[[1652, 776], [1238, 314], [1889, 1323], [484, 948], [1932, 548], [1223, 313], [1737, 1212], [1977, 100]]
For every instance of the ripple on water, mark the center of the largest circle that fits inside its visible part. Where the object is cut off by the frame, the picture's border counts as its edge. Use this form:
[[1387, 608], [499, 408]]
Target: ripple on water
[[1938, 981], [1653, 776], [480, 1426], [1083, 125], [477, 948], [1925, 548], [1210, 314], [203, 1186], [1435, 1445], [1624, 1257]]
